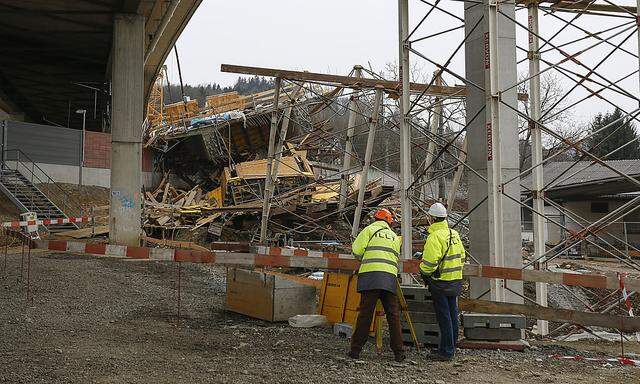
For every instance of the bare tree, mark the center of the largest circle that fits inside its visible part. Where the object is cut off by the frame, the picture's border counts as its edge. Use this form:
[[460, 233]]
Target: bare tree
[[556, 114]]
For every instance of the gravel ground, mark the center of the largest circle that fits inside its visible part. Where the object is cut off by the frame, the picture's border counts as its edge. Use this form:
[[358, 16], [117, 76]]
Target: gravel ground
[[99, 320]]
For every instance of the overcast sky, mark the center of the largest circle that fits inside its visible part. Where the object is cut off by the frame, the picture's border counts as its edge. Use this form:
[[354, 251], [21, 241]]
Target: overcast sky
[[322, 36], [332, 35]]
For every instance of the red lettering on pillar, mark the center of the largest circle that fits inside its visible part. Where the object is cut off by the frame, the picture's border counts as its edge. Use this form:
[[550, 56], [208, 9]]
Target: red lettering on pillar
[[489, 142], [486, 50]]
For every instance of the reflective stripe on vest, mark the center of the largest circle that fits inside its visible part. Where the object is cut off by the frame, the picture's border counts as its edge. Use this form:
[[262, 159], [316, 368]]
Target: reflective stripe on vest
[[380, 248], [377, 260]]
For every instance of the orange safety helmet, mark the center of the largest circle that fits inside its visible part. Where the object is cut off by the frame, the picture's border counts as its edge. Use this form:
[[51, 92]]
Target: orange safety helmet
[[384, 214]]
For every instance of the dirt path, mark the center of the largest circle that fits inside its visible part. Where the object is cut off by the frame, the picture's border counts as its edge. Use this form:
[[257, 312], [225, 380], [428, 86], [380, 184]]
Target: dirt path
[[114, 321]]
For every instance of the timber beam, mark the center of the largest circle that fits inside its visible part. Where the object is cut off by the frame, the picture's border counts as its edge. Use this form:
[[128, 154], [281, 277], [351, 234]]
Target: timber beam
[[458, 91], [581, 5]]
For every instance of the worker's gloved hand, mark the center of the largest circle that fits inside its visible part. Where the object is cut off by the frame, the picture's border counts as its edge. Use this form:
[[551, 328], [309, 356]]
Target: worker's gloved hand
[[417, 256]]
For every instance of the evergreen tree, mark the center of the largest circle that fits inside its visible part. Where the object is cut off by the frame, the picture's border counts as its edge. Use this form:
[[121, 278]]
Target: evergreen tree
[[244, 86], [620, 132]]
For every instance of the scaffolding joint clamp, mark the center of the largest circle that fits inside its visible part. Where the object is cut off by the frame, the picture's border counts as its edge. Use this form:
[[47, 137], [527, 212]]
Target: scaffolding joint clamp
[[533, 55], [537, 194]]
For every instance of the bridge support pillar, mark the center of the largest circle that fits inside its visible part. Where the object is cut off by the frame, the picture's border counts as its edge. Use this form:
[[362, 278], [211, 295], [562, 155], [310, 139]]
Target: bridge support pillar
[[126, 129]]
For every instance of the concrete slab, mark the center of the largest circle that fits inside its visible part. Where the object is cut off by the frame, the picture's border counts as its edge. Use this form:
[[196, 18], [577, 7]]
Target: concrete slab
[[421, 317], [482, 320], [494, 334], [420, 306]]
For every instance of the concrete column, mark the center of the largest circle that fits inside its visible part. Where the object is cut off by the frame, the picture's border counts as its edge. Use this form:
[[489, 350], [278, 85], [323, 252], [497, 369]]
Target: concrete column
[[126, 129], [495, 235]]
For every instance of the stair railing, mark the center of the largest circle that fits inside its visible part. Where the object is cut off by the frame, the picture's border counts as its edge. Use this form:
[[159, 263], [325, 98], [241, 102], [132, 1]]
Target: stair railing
[[16, 160]]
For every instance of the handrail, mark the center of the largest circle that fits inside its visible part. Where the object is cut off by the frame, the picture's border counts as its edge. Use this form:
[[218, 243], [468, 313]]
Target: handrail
[[70, 204]]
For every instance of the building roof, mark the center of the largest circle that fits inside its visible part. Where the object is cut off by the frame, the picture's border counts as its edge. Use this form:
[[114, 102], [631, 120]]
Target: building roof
[[585, 177]]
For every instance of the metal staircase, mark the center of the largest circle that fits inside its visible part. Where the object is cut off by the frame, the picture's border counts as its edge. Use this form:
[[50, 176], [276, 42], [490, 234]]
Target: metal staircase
[[28, 187]]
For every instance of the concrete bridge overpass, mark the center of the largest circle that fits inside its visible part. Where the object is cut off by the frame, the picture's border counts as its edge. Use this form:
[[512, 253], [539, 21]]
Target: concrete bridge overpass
[[56, 51], [102, 56]]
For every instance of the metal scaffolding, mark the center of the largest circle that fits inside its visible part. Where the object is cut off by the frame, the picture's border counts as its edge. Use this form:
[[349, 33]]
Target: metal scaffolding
[[585, 44]]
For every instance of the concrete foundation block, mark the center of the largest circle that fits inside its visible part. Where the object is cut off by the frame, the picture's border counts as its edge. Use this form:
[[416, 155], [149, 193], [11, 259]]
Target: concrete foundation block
[[481, 320], [421, 317], [494, 334], [343, 330], [416, 293], [428, 334], [420, 306]]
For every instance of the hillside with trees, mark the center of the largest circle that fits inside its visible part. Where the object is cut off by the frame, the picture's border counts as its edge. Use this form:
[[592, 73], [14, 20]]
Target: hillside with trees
[[244, 86]]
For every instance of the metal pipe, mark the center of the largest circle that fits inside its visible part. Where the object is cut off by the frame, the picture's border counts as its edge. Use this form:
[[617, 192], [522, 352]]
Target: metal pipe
[[268, 183], [537, 157], [373, 124], [405, 130], [494, 166], [348, 144]]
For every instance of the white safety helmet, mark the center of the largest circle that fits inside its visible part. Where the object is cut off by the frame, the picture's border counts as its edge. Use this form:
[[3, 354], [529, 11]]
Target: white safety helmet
[[437, 210]]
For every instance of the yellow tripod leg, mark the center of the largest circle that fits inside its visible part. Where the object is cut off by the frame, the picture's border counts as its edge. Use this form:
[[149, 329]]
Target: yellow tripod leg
[[405, 311], [378, 326]]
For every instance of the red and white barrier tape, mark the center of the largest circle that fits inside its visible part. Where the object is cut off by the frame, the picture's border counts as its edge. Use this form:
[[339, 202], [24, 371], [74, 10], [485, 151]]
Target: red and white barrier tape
[[627, 299], [301, 258], [620, 360], [16, 224]]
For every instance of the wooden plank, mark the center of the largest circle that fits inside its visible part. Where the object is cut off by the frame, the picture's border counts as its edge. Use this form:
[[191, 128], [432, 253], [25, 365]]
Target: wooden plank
[[84, 232], [350, 81], [623, 323], [165, 195], [584, 6], [301, 280], [151, 197], [174, 243]]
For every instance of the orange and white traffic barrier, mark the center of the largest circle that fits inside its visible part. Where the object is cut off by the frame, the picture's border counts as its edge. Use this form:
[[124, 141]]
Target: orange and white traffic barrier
[[26, 223], [298, 258]]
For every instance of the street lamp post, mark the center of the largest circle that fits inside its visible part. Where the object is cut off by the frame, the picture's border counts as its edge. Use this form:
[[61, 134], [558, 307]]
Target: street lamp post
[[84, 120]]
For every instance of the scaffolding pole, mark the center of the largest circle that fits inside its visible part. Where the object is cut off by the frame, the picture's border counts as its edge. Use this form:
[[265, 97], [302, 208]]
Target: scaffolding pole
[[348, 145], [494, 166], [373, 124], [453, 191], [284, 129], [268, 182], [536, 156], [405, 130]]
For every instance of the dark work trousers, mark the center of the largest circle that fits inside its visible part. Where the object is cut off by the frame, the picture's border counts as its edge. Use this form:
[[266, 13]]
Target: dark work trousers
[[368, 300], [446, 309]]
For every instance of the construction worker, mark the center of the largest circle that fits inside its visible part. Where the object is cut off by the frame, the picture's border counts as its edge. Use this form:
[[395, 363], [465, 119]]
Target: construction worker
[[441, 268], [377, 247]]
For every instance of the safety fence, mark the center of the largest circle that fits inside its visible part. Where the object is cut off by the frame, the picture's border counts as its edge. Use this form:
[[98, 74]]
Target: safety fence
[[298, 258]]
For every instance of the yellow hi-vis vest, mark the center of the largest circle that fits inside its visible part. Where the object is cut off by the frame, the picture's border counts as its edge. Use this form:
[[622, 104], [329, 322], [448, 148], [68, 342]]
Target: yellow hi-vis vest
[[377, 247], [434, 249]]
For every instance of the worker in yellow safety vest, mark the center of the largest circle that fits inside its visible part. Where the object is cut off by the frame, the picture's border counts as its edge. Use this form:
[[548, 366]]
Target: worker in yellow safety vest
[[443, 259], [378, 248]]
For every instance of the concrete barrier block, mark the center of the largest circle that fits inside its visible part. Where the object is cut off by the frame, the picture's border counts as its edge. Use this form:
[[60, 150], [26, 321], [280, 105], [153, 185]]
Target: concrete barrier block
[[482, 320], [494, 334], [343, 330]]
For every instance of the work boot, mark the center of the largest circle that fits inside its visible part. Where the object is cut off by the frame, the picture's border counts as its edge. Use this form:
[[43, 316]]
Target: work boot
[[399, 357], [353, 355], [439, 357]]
